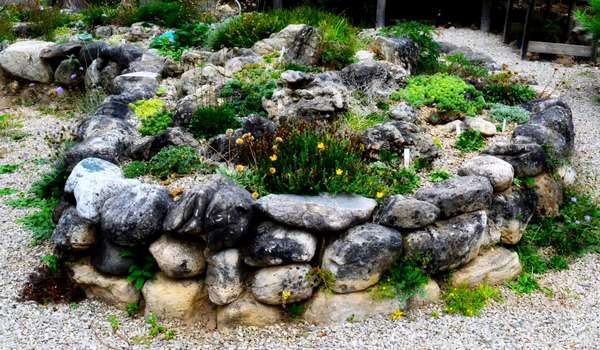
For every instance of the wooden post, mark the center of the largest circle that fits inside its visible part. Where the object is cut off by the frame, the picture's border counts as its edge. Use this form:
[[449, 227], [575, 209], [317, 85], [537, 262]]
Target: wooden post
[[569, 17], [507, 23], [380, 15], [486, 15], [526, 29], [277, 4]]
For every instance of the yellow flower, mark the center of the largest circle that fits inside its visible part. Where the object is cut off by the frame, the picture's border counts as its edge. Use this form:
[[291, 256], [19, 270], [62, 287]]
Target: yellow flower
[[285, 295], [339, 172], [239, 141], [321, 146], [240, 168], [379, 195], [397, 315], [255, 195], [278, 139], [272, 170], [273, 157]]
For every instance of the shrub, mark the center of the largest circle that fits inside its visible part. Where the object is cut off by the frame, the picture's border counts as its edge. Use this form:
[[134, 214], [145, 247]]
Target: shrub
[[470, 141], [245, 93], [446, 92], [174, 44], [500, 89], [362, 122], [470, 302], [243, 31], [166, 14], [247, 178], [99, 15], [157, 123], [459, 65], [178, 160], [589, 18], [134, 169], [422, 35], [45, 21], [525, 284], [515, 114], [6, 27], [439, 175], [403, 280], [211, 121]]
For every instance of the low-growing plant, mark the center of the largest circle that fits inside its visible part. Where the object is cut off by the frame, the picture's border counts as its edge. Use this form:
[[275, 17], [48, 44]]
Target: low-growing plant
[[472, 71], [7, 191], [422, 35], [470, 141], [52, 262], [525, 284], [114, 323], [321, 278], [147, 108], [449, 94], [99, 15], [174, 160], [469, 302], [500, 89], [439, 175], [142, 271], [403, 280], [167, 14], [362, 122], [513, 114], [589, 18], [51, 185], [174, 44], [8, 168], [134, 169], [243, 31], [212, 121], [244, 94], [246, 177], [295, 310], [156, 124], [132, 309], [40, 223]]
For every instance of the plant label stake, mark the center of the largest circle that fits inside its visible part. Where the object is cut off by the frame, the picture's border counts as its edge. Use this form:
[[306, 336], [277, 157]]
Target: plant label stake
[[458, 131], [504, 125], [406, 157]]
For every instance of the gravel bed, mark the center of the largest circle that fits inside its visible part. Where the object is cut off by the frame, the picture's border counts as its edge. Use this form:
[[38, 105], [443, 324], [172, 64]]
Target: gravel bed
[[566, 319]]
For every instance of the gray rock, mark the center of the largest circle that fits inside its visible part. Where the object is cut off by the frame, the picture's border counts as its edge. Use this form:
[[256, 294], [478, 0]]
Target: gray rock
[[407, 213], [99, 124], [395, 136], [194, 80], [110, 258], [401, 51], [104, 32], [237, 64], [91, 167], [90, 51], [123, 55], [320, 213], [72, 232], [177, 258], [277, 245], [151, 61], [22, 59], [403, 112], [377, 79], [447, 244], [536, 133], [300, 42], [60, 51], [279, 285], [361, 255], [143, 83], [69, 72], [110, 289], [246, 311], [110, 146], [481, 125], [224, 278], [510, 213], [558, 118], [117, 106], [134, 216], [527, 159], [458, 195], [499, 172]]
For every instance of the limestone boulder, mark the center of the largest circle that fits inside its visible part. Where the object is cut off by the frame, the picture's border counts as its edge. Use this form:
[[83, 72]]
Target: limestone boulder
[[22, 59], [224, 276], [113, 290], [406, 213], [279, 285], [461, 194], [499, 172], [178, 258], [494, 266], [247, 311]]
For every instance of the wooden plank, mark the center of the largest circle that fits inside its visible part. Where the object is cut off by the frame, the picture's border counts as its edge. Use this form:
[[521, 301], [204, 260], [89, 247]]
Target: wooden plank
[[560, 49]]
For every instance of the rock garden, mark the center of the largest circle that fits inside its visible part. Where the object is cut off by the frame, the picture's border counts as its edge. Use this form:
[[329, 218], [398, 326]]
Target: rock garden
[[224, 169]]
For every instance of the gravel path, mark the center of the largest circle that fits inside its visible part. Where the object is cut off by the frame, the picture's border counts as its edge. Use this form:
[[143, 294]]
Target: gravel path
[[568, 319]]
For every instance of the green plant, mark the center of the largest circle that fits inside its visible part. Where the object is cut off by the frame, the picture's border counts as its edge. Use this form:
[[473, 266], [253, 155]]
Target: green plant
[[174, 44], [147, 108], [156, 124], [8, 168], [244, 94], [295, 310], [51, 185], [422, 35], [6, 26], [321, 278], [589, 18], [140, 272], [500, 89], [439, 175], [362, 122], [525, 284], [470, 141], [99, 15], [7, 191], [247, 178], [211, 121], [243, 31], [459, 65], [44, 20], [446, 92], [114, 323], [403, 280], [132, 309], [40, 223], [157, 328], [52, 262], [178, 160], [470, 302], [167, 14], [134, 169], [514, 114]]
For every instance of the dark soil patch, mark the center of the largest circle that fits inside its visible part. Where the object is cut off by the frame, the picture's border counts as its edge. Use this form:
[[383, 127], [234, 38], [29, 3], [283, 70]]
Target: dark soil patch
[[46, 287]]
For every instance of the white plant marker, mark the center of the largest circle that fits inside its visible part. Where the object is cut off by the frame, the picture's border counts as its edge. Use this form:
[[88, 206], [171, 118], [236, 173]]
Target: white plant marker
[[504, 125], [406, 157], [458, 131], [283, 51]]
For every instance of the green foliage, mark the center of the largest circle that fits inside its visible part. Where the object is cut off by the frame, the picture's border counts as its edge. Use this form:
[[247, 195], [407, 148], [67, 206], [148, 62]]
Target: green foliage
[[7, 191], [500, 89], [114, 323], [51, 185], [439, 175], [156, 124], [167, 14], [8, 168], [99, 15], [321, 278], [6, 27], [459, 65], [134, 169], [362, 122], [157, 328], [422, 35], [174, 44], [179, 160], [243, 31], [446, 92], [139, 273], [525, 284], [470, 141], [24, 202], [514, 114], [132, 309], [212, 121], [45, 21], [589, 18], [147, 108], [295, 310], [40, 223], [247, 178], [245, 93], [470, 302], [403, 280], [52, 262]]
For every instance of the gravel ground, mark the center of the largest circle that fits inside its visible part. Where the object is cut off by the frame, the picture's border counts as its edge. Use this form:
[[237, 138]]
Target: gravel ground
[[566, 319]]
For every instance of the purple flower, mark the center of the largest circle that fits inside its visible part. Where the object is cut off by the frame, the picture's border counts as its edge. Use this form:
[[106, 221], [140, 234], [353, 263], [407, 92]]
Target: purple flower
[[59, 90], [73, 76], [25, 156], [587, 218], [577, 222], [574, 199]]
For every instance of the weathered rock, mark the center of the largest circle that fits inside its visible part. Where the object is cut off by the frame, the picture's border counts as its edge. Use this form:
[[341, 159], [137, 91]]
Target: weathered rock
[[510, 213], [499, 172], [279, 285], [401, 51], [494, 266], [377, 78], [430, 293], [112, 290], [300, 42], [224, 277], [220, 58], [327, 308], [109, 258], [555, 115], [403, 112], [69, 72], [134, 216], [447, 244], [60, 51], [237, 64], [148, 146], [320, 213], [364, 56], [246, 311], [195, 79], [527, 159], [117, 106], [554, 143], [142, 83], [177, 258], [567, 175], [398, 135], [458, 195], [123, 55], [550, 196], [277, 245], [104, 32], [73, 232], [184, 300], [22, 59], [110, 146], [151, 61], [90, 51], [407, 213], [98, 124], [361, 255], [481, 125]]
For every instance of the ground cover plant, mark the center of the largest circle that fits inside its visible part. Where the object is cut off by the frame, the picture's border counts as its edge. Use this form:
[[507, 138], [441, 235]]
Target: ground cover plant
[[167, 162], [470, 141], [212, 121], [244, 94], [470, 301], [403, 280], [500, 89], [174, 43], [513, 114], [154, 116]]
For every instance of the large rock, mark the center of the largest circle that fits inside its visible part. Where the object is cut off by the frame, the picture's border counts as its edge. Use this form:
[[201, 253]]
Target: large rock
[[142, 83], [98, 124], [151, 61], [550, 195], [184, 300], [134, 216], [277, 245], [91, 51], [69, 72], [112, 259], [300, 42], [279, 285], [510, 213], [398, 135], [448, 244], [246, 311], [320, 213], [403, 112], [527, 159], [178, 258], [361, 255], [193, 80], [494, 266], [499, 172], [554, 143], [376, 79], [111, 146], [22, 59], [406, 213], [401, 51], [123, 55], [72, 232], [224, 277], [236, 64], [327, 308], [458, 195], [430, 293], [60, 51], [112, 290], [555, 115]]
